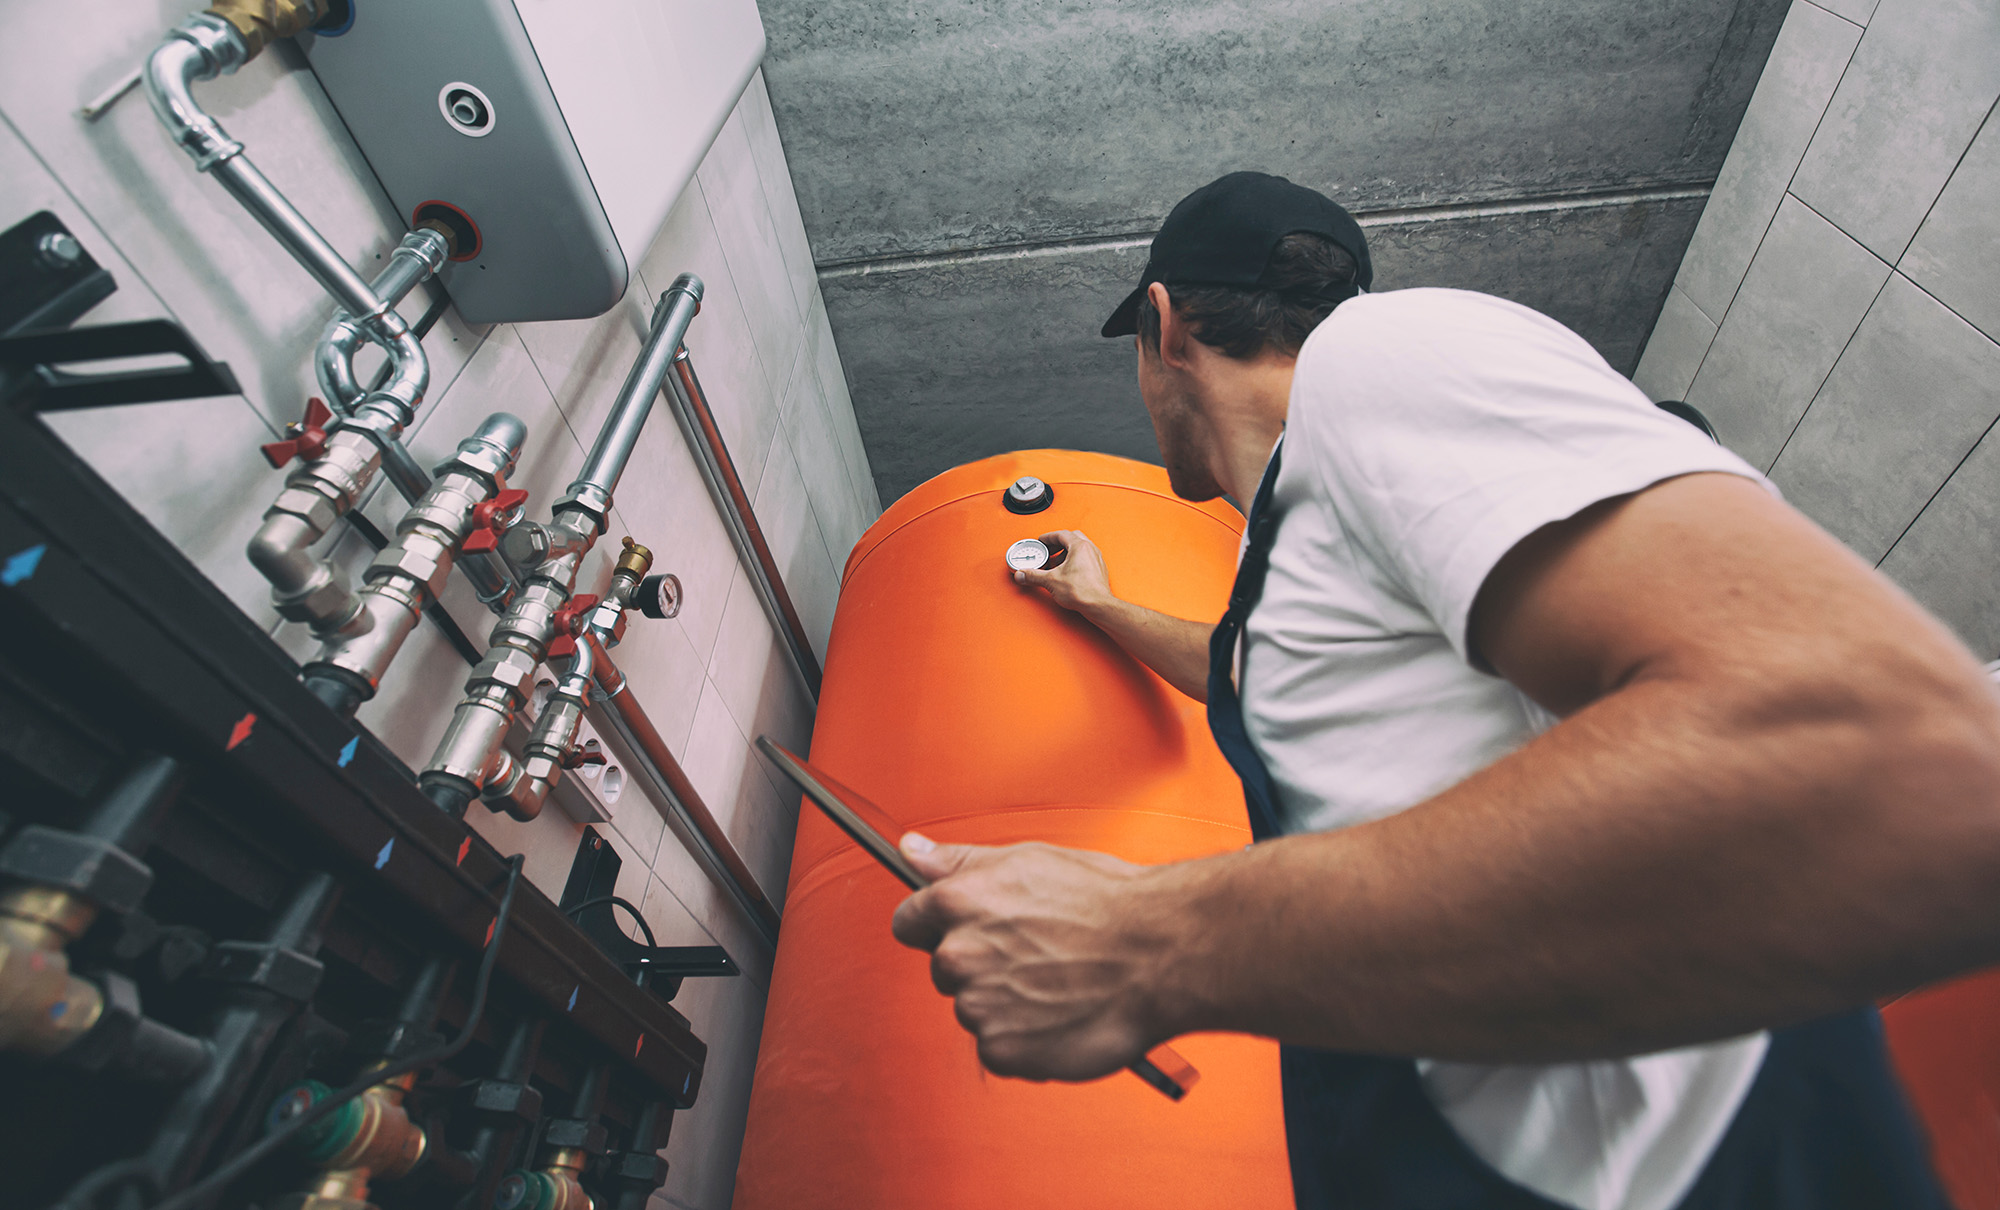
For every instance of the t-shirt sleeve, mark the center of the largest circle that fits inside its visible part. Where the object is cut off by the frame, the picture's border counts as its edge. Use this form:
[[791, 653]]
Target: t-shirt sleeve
[[1447, 426]]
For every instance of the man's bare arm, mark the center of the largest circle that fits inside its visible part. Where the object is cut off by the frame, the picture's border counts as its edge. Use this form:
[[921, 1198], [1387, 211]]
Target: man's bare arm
[[1775, 794], [1175, 648]]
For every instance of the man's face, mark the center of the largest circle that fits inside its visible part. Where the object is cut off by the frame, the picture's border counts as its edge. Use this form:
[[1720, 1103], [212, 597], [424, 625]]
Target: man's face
[[1178, 425]]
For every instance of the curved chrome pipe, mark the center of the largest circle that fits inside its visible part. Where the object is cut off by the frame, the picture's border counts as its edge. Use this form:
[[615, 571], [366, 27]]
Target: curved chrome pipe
[[201, 48], [420, 255], [205, 46]]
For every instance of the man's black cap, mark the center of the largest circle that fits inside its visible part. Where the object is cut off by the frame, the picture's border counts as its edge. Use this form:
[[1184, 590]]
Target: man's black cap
[[1222, 234]]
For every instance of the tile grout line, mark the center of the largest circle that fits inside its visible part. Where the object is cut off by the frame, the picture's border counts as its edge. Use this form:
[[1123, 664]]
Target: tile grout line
[[1956, 165], [1792, 177], [1860, 25], [1946, 482], [1834, 365]]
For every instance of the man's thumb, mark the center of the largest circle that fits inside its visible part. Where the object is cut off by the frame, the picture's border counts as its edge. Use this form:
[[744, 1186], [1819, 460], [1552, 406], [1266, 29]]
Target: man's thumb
[[933, 860]]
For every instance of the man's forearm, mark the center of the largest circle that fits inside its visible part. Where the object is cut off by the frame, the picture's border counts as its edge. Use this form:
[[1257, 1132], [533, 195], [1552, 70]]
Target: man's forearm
[[1672, 864], [1175, 648]]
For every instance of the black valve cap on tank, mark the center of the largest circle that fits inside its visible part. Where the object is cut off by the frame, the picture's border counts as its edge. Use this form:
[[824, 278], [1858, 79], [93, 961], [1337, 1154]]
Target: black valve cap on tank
[[1028, 495], [659, 596]]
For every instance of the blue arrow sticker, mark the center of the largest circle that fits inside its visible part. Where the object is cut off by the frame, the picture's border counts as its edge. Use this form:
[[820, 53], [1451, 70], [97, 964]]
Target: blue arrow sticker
[[19, 567], [382, 858], [686, 1081], [347, 752], [572, 998]]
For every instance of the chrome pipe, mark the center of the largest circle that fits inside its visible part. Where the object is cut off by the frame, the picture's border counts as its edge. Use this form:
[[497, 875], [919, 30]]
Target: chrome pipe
[[617, 712], [201, 48], [592, 489], [739, 519], [417, 258], [409, 574]]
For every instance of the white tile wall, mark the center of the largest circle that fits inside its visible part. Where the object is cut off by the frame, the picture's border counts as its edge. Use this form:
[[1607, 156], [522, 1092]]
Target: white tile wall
[[1801, 300], [713, 679], [1856, 361], [1812, 50], [1921, 82], [1681, 337]]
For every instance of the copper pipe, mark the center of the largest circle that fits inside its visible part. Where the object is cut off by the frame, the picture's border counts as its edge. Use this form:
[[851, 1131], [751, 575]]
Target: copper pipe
[[629, 721], [712, 455]]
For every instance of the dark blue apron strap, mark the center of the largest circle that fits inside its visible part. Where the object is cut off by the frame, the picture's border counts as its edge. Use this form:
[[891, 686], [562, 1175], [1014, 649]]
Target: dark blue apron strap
[[1225, 710]]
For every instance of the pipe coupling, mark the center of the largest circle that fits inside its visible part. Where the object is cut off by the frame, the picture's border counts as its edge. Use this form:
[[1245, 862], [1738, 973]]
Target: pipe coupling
[[555, 1187], [369, 1138]]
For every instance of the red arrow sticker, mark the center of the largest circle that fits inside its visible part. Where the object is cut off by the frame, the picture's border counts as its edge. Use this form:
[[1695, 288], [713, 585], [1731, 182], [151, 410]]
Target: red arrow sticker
[[240, 732], [638, 1046], [464, 847], [489, 931]]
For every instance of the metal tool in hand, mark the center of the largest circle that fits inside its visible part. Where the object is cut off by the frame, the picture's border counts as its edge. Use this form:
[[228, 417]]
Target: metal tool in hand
[[1162, 1067]]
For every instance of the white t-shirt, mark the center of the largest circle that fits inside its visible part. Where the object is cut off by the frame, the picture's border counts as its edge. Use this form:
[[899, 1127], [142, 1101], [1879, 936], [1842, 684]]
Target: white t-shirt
[[1429, 432]]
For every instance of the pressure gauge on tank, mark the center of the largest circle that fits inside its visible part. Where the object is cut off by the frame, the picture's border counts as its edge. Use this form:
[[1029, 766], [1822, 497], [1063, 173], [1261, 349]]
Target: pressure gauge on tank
[[1029, 554]]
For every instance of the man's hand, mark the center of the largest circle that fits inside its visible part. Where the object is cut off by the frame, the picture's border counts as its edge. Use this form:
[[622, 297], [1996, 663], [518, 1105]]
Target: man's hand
[[1049, 953], [1174, 648], [1078, 579]]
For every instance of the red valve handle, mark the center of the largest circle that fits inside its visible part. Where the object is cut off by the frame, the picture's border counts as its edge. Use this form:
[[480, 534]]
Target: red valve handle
[[579, 757], [307, 438], [483, 536], [563, 640]]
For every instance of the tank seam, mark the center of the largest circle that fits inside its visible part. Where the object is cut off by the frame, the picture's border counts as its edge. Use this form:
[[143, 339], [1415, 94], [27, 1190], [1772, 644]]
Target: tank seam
[[854, 565]]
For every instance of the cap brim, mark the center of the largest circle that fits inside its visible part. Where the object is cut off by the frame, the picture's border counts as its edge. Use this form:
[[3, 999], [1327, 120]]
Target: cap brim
[[1125, 320]]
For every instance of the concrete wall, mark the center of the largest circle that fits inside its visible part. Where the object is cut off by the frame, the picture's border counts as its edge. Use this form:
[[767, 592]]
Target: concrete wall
[[980, 177], [713, 678], [1837, 311]]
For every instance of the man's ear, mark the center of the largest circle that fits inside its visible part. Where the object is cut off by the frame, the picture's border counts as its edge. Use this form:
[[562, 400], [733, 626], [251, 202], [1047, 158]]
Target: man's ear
[[1173, 331]]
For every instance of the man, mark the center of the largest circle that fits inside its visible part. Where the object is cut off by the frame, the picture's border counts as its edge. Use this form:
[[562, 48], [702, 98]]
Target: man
[[1576, 744]]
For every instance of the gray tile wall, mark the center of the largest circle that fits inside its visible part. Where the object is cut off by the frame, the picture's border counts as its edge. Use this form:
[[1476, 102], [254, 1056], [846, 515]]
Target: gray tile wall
[[1838, 310], [712, 678]]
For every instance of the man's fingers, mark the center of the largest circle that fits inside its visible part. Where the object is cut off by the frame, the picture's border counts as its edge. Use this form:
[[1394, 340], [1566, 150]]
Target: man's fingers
[[922, 920], [916, 923]]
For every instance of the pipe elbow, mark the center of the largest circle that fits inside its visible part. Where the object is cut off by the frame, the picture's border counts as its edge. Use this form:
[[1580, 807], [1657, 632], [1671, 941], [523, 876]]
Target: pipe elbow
[[278, 550], [333, 362], [199, 48], [411, 376]]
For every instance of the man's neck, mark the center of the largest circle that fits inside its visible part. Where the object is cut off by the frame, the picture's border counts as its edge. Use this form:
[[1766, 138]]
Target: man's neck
[[1253, 400]]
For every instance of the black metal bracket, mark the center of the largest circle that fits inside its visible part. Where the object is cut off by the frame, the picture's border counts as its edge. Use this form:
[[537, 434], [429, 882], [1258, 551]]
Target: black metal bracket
[[586, 899], [47, 279], [32, 358]]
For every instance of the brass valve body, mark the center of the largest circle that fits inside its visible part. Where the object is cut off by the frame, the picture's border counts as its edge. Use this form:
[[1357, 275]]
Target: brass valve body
[[43, 1008], [380, 1142], [261, 22]]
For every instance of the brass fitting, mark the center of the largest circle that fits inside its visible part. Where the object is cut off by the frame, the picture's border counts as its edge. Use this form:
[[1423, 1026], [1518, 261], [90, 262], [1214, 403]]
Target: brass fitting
[[636, 561], [43, 1008], [370, 1138], [555, 1187], [261, 22]]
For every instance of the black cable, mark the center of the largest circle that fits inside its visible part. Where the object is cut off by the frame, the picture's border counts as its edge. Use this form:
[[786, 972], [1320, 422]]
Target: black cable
[[84, 1193], [222, 1177], [615, 901]]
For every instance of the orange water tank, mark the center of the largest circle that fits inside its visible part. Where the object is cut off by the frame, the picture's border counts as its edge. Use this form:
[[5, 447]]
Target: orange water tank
[[977, 711]]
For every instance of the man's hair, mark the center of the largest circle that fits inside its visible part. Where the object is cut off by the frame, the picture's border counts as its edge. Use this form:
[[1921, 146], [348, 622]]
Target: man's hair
[[1303, 271]]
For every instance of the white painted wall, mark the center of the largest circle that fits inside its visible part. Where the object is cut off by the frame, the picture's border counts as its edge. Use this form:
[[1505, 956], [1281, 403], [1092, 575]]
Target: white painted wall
[[713, 678]]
